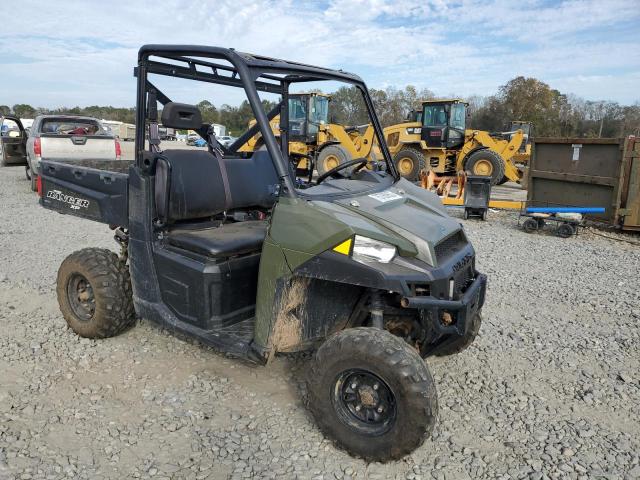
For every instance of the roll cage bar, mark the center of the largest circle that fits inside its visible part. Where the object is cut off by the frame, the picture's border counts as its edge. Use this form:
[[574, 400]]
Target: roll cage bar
[[250, 72]]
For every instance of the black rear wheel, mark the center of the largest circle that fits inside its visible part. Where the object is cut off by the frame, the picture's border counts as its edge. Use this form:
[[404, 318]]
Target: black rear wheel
[[372, 394], [94, 293]]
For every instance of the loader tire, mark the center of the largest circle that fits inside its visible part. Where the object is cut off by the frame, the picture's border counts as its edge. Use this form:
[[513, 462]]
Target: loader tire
[[94, 293], [330, 157], [486, 163], [409, 162], [372, 394]]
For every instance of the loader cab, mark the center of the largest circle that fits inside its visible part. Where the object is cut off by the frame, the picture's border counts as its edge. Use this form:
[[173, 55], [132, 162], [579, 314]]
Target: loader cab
[[527, 130], [414, 116], [307, 111], [443, 123]]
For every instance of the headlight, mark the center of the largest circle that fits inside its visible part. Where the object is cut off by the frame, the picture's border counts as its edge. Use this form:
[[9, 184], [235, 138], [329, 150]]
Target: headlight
[[414, 131], [366, 249]]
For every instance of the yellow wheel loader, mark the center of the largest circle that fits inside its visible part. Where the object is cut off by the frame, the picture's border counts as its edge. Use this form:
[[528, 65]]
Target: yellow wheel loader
[[437, 140], [313, 141]]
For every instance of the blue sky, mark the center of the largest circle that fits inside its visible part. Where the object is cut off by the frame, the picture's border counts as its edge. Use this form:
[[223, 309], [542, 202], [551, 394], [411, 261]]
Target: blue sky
[[83, 53]]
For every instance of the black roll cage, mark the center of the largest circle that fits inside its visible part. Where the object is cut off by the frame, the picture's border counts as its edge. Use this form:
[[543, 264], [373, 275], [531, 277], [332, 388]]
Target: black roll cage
[[250, 72]]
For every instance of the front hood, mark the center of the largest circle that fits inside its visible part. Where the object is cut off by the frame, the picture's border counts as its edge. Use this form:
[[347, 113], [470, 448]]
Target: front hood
[[409, 211]]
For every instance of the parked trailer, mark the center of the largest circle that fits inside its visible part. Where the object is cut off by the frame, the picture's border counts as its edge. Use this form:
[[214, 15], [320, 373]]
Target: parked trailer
[[125, 131], [588, 171]]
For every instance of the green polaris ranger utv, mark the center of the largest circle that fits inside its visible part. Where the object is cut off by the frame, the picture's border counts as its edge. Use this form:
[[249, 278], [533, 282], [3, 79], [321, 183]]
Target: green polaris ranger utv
[[360, 265]]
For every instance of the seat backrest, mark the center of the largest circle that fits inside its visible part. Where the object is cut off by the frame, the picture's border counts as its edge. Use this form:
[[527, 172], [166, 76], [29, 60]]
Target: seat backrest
[[189, 184]]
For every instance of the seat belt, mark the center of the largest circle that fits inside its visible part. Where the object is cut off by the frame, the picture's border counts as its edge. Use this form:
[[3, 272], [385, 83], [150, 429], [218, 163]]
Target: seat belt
[[216, 150], [154, 137], [152, 116]]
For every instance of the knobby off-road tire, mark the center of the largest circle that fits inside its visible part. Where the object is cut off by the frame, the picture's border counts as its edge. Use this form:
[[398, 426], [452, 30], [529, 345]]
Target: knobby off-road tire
[[464, 341], [94, 293], [330, 157], [486, 162], [409, 162], [387, 373]]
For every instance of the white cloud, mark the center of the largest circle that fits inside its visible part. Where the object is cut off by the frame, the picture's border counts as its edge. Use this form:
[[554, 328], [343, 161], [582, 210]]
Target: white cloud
[[84, 53]]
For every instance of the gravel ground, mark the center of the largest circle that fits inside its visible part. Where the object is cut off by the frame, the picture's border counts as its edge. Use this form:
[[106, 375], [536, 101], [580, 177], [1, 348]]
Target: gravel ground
[[550, 389]]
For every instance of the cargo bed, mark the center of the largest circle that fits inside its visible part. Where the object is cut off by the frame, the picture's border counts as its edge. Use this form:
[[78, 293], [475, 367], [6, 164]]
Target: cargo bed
[[92, 189]]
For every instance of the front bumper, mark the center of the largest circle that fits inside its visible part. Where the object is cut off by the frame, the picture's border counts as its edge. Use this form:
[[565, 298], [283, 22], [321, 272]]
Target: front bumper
[[458, 313]]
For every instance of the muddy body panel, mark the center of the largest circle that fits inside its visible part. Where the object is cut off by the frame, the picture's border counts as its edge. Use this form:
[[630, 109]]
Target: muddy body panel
[[432, 276]]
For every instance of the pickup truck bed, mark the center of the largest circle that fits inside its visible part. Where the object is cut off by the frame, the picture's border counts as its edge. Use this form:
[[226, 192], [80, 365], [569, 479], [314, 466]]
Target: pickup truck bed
[[92, 189]]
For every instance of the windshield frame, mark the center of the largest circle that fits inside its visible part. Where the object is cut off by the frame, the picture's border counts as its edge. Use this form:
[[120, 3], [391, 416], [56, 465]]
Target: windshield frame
[[251, 73]]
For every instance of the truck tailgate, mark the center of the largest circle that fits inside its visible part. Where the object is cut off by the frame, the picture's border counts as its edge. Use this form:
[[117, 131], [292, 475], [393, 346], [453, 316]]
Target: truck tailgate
[[92, 189], [80, 147]]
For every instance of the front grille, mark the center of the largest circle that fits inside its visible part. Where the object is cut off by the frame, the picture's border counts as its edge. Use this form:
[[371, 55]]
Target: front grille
[[449, 246], [420, 289], [462, 280]]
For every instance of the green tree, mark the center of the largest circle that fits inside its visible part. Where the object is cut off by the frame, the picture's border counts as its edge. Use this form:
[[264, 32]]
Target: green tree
[[5, 110], [208, 111], [22, 110]]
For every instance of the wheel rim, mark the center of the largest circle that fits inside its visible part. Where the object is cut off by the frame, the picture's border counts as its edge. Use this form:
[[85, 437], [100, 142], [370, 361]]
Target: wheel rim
[[405, 166], [483, 167], [331, 161], [81, 297], [364, 402]]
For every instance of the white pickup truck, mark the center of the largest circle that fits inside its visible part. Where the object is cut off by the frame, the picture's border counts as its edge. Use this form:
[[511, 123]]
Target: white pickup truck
[[67, 137]]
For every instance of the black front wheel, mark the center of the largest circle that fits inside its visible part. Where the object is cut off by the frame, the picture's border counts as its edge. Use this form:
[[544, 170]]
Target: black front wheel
[[372, 394]]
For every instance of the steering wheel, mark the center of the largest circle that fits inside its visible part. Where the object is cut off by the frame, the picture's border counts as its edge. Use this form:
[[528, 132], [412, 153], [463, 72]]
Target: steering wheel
[[361, 162]]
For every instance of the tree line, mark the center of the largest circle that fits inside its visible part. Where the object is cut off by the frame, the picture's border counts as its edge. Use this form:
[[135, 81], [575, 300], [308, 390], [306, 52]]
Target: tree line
[[554, 114]]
